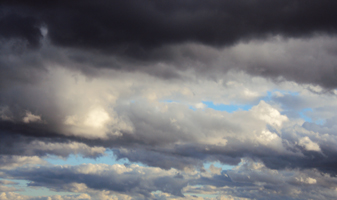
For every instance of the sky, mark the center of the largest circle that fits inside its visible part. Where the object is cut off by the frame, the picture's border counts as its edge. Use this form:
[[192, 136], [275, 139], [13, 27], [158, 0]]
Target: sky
[[168, 100]]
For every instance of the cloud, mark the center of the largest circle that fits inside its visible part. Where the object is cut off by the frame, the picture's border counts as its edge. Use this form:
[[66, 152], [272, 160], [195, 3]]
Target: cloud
[[251, 180], [158, 133], [149, 24], [13, 196], [280, 39], [23, 27], [118, 178], [29, 118], [308, 144], [8, 162]]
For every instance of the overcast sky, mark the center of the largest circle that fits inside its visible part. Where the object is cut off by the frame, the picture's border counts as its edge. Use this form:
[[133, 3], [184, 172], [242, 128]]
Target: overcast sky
[[168, 99]]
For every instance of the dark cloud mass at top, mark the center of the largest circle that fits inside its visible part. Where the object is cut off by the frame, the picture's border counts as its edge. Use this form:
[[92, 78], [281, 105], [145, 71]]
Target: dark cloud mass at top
[[143, 32], [135, 26]]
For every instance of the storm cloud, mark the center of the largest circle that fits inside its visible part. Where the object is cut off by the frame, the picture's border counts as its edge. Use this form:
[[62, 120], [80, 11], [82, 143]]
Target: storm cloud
[[132, 35], [148, 24]]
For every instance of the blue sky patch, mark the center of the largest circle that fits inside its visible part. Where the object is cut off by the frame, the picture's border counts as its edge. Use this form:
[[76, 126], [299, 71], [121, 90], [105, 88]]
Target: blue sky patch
[[228, 108], [303, 115], [269, 95], [34, 191], [109, 159]]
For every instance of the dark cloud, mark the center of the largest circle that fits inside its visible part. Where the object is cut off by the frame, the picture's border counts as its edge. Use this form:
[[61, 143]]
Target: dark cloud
[[134, 26], [134, 180], [26, 28], [249, 180], [137, 35], [20, 139]]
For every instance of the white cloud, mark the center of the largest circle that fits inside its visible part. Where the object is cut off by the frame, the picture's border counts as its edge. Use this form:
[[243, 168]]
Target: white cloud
[[306, 180], [9, 162], [308, 144], [200, 105], [269, 114], [96, 118], [29, 118]]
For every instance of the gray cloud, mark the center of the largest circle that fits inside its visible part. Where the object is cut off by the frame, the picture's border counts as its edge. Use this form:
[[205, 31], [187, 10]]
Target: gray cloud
[[133, 180], [180, 137], [250, 180], [142, 25], [96, 35]]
